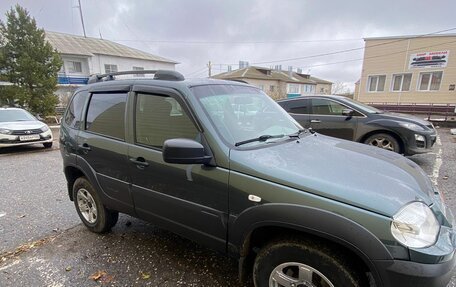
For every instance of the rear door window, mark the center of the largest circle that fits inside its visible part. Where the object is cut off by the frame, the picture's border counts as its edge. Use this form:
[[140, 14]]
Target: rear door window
[[298, 107], [106, 115]]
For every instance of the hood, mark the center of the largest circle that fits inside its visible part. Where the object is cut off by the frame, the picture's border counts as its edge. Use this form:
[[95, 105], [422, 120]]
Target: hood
[[408, 118], [22, 125], [360, 175]]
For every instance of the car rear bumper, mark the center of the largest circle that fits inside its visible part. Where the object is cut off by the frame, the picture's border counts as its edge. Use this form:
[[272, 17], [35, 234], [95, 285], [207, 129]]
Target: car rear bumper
[[412, 274]]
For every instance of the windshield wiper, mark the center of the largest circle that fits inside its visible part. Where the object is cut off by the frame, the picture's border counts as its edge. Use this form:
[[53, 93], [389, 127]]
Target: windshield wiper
[[259, 139], [296, 134]]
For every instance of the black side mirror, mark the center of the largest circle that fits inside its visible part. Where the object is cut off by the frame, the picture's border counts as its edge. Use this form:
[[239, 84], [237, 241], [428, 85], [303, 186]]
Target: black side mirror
[[347, 112], [184, 151]]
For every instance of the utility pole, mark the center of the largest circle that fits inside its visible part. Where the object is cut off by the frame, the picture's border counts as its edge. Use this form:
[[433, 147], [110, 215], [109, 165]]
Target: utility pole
[[82, 19], [209, 66]]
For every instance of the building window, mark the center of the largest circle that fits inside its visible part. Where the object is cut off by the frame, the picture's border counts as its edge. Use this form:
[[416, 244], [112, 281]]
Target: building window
[[322, 90], [308, 89], [271, 88], [293, 88], [430, 81], [138, 69], [74, 67], [401, 82], [110, 68], [376, 83]]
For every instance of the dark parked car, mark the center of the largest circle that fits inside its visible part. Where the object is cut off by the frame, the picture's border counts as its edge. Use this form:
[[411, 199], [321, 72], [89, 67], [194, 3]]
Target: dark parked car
[[348, 119], [221, 163]]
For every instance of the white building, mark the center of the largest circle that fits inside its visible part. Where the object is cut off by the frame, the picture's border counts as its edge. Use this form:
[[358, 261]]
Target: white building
[[84, 56]]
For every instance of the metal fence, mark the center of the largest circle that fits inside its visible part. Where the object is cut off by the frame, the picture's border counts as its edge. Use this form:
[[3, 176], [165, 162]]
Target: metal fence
[[447, 111]]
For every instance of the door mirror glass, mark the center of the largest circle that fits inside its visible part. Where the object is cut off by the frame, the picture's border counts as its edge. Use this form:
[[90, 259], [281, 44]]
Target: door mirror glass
[[184, 151]]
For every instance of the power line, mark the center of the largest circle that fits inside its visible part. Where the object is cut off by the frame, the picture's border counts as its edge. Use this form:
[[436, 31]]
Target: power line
[[236, 42], [378, 56], [196, 72], [346, 50]]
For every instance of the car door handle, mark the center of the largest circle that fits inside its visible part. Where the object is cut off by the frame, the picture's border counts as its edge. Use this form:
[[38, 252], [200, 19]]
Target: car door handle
[[140, 162], [85, 147], [315, 121]]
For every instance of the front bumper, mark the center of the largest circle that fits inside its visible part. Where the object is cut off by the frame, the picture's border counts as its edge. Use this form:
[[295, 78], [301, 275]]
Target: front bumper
[[13, 140], [415, 146], [412, 274]]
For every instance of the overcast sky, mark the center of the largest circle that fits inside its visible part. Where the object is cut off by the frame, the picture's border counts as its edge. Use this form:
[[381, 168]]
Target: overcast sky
[[193, 32]]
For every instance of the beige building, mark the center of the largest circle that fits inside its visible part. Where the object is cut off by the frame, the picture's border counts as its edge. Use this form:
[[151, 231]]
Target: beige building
[[409, 70], [279, 84]]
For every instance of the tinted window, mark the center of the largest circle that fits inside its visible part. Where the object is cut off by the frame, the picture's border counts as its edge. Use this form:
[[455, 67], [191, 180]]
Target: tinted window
[[159, 118], [326, 107], [74, 111], [106, 115], [298, 107]]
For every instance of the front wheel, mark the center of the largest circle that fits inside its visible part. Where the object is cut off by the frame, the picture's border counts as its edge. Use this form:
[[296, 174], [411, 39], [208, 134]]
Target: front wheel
[[303, 263], [91, 210], [384, 141]]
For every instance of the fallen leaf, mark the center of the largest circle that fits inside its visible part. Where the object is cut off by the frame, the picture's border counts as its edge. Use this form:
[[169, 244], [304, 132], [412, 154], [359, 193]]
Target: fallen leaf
[[97, 275], [106, 279], [145, 276], [22, 216], [445, 177], [68, 268]]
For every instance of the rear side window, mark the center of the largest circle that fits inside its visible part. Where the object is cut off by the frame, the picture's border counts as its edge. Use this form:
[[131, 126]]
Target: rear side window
[[106, 115], [73, 116]]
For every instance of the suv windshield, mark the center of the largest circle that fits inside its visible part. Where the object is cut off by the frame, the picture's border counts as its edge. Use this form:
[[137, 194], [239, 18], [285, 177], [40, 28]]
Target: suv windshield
[[241, 113], [15, 116]]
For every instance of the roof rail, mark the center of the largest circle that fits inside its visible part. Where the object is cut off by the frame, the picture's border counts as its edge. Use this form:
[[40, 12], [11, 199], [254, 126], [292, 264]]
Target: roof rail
[[165, 75]]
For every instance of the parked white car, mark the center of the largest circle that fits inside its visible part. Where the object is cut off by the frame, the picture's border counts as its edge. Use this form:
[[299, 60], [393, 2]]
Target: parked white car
[[19, 127]]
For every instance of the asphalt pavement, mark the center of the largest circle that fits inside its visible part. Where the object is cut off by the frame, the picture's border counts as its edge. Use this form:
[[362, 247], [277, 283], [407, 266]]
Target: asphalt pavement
[[43, 243]]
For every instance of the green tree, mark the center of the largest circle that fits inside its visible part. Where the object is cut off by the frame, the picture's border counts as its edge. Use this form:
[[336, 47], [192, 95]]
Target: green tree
[[29, 62]]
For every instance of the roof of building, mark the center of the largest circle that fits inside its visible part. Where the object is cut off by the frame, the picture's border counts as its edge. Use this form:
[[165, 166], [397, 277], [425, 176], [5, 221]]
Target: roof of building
[[320, 81], [87, 46], [261, 73], [411, 36]]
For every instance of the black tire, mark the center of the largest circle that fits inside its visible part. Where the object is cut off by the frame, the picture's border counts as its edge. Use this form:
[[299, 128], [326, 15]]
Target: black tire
[[105, 219], [329, 262], [47, 145], [385, 141]]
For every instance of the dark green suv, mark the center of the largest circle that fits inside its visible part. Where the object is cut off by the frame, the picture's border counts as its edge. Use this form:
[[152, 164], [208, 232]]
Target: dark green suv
[[221, 163]]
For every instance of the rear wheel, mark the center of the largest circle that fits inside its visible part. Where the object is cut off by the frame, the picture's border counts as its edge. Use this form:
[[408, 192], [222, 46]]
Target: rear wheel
[[47, 145], [91, 210], [384, 141], [301, 263]]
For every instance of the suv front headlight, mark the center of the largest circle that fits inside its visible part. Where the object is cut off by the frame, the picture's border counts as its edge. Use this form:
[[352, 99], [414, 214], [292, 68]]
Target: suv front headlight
[[44, 129], [411, 126], [415, 225]]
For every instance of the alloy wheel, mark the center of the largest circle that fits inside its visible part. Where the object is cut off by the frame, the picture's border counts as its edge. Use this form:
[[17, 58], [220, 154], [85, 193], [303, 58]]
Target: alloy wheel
[[87, 206], [293, 274]]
